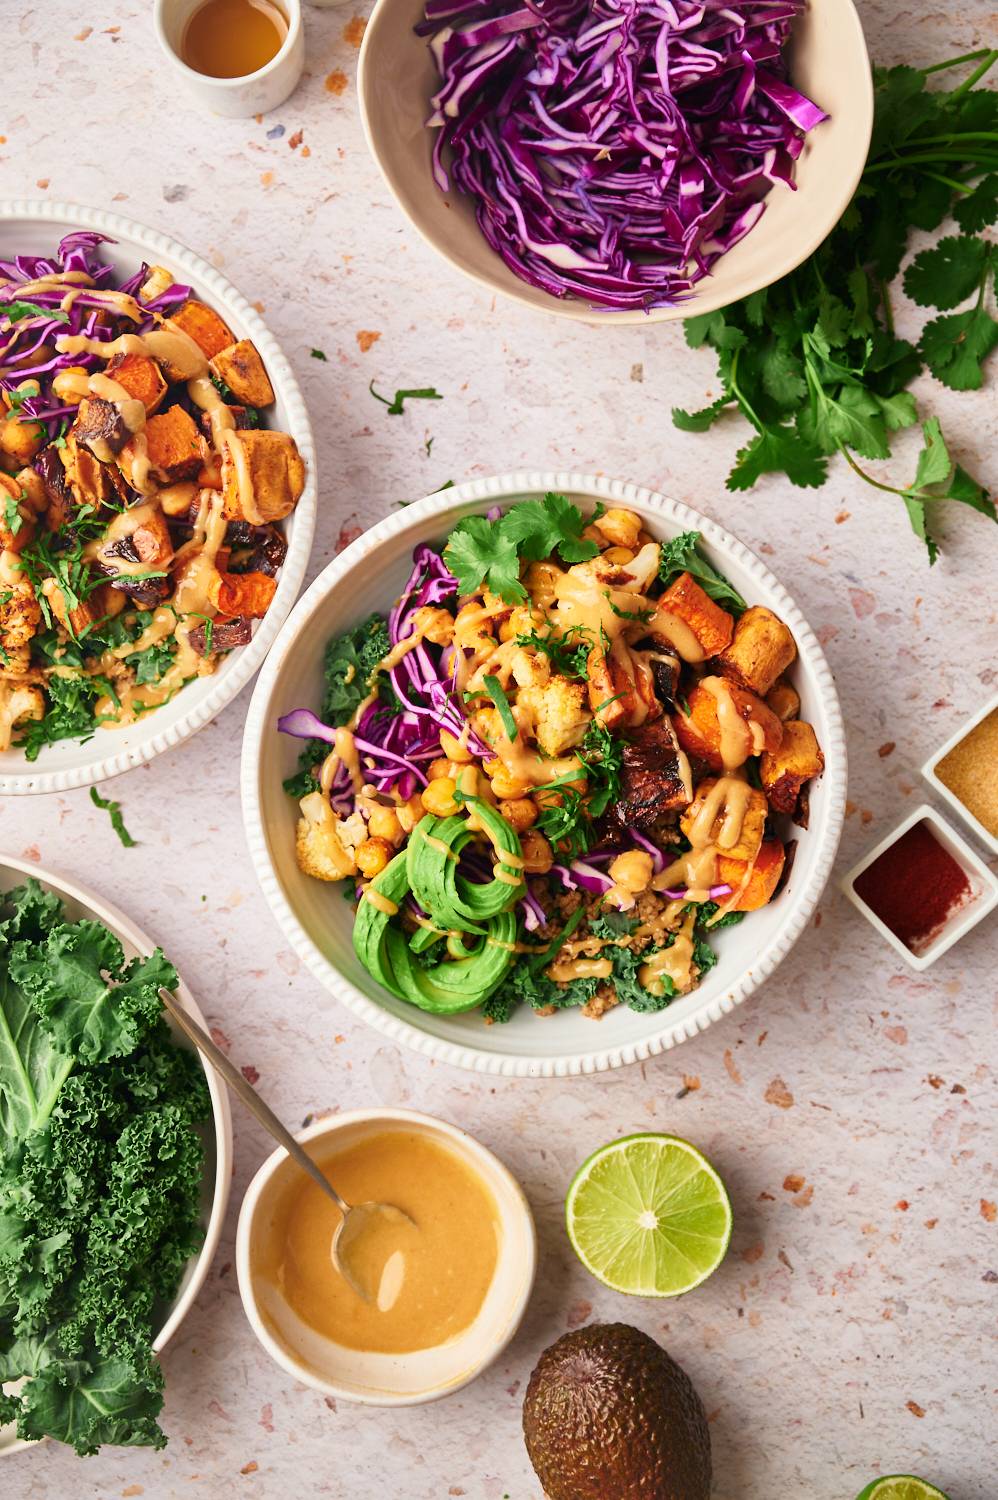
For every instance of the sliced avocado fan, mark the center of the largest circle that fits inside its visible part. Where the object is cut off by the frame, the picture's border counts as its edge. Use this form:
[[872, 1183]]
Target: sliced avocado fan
[[428, 867]]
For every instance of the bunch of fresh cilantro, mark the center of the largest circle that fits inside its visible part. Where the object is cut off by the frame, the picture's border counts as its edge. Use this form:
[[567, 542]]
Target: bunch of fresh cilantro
[[100, 1175], [813, 362]]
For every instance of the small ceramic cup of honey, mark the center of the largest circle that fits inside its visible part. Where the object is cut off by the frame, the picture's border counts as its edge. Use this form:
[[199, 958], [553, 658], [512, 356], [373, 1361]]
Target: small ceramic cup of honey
[[236, 57]]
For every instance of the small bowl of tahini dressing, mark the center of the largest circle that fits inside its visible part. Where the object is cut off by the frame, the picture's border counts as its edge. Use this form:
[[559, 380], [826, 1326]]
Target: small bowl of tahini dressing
[[449, 1289]]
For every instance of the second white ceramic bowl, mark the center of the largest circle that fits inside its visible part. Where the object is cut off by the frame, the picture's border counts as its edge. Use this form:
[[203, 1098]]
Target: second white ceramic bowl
[[318, 923], [388, 1379], [217, 1136], [35, 228], [828, 62]]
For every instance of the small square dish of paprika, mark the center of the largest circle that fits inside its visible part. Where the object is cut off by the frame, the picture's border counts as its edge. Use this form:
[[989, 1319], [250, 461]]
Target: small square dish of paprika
[[922, 887]]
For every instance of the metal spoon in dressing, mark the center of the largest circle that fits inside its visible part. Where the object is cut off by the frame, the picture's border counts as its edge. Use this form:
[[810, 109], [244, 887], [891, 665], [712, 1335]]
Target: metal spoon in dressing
[[356, 1221]]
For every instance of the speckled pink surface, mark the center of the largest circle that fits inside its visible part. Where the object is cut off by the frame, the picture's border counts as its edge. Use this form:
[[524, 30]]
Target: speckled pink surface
[[850, 1105]]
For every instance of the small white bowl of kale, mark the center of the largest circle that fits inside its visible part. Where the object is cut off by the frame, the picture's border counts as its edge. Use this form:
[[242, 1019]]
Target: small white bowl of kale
[[115, 1160]]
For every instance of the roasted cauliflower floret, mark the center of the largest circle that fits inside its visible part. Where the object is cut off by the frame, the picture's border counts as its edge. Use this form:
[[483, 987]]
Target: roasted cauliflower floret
[[20, 615], [321, 841], [558, 712], [18, 702]]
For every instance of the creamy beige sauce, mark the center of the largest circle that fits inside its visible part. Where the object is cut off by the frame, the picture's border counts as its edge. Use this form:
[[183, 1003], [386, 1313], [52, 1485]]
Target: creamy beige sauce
[[674, 962], [679, 635], [379, 901], [429, 1279], [580, 968], [740, 737], [435, 843]]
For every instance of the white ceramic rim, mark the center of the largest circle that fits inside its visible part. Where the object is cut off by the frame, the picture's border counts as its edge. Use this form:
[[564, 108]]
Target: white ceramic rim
[[465, 1143], [293, 18], [247, 658], [614, 492], [576, 308], [124, 928], [929, 772], [959, 925]]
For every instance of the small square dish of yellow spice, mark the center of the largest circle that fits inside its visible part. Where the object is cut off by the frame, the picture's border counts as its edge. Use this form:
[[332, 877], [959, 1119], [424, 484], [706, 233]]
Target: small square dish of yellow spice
[[965, 773]]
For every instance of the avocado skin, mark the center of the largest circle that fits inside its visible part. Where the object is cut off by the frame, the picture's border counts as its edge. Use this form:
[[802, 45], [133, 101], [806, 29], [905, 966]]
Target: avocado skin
[[608, 1415]]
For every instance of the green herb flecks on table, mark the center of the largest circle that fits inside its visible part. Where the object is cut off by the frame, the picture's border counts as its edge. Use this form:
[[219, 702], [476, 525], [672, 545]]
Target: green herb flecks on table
[[813, 362]]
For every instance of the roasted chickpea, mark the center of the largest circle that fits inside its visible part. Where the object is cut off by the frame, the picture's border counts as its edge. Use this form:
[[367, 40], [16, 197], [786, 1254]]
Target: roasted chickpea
[[622, 527], [372, 856], [21, 440], [384, 824], [538, 856], [505, 784], [410, 812], [619, 556], [453, 748], [438, 797], [632, 871], [439, 768], [520, 812], [32, 490], [70, 384], [437, 625]]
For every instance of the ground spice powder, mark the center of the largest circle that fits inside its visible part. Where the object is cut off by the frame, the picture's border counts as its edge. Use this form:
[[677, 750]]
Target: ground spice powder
[[970, 770], [914, 887]]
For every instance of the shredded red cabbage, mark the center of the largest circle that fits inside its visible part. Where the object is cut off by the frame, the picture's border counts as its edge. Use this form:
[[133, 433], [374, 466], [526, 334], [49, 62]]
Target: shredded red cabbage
[[27, 343], [615, 148]]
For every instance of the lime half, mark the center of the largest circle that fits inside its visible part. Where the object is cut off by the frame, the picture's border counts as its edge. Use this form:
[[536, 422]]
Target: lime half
[[900, 1487], [648, 1215]]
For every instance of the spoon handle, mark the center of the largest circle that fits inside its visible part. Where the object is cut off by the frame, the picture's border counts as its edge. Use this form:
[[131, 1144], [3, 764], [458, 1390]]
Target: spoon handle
[[248, 1094]]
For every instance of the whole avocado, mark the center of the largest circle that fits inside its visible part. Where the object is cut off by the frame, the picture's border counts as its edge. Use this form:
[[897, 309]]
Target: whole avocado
[[609, 1416]]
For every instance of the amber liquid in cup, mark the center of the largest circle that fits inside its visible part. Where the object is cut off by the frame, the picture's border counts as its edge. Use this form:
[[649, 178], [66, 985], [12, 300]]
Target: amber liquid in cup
[[233, 38]]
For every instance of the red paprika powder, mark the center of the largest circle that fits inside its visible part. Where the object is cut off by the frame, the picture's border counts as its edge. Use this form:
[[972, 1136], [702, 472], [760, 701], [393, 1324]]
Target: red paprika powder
[[914, 887]]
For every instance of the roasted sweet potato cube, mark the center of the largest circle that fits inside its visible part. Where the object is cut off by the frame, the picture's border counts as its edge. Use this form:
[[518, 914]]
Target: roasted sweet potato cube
[[617, 698], [17, 518], [152, 542], [241, 368], [750, 726], [174, 446], [652, 776], [141, 377], [246, 594], [76, 619], [784, 771], [262, 475], [784, 700], [739, 839], [761, 648], [100, 427], [763, 878], [687, 601], [202, 324]]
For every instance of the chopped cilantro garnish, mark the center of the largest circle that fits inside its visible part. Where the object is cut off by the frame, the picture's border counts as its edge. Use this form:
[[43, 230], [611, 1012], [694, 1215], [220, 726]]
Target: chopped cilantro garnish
[[495, 691], [16, 312], [117, 821], [397, 404], [318, 354]]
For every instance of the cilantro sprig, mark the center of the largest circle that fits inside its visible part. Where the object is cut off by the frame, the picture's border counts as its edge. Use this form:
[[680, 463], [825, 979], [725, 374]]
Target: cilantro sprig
[[814, 364], [117, 820], [396, 405], [482, 551]]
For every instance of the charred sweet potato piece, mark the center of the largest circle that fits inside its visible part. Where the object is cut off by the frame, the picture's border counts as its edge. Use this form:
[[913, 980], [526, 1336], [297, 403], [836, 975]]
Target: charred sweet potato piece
[[760, 649], [174, 446], [248, 594], [224, 635], [100, 427], [141, 377], [241, 368], [151, 540], [651, 780], [58, 494], [616, 698], [76, 619], [700, 733], [687, 601], [784, 771], [748, 833], [784, 700], [238, 416], [763, 879], [269, 553], [202, 324], [262, 475]]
